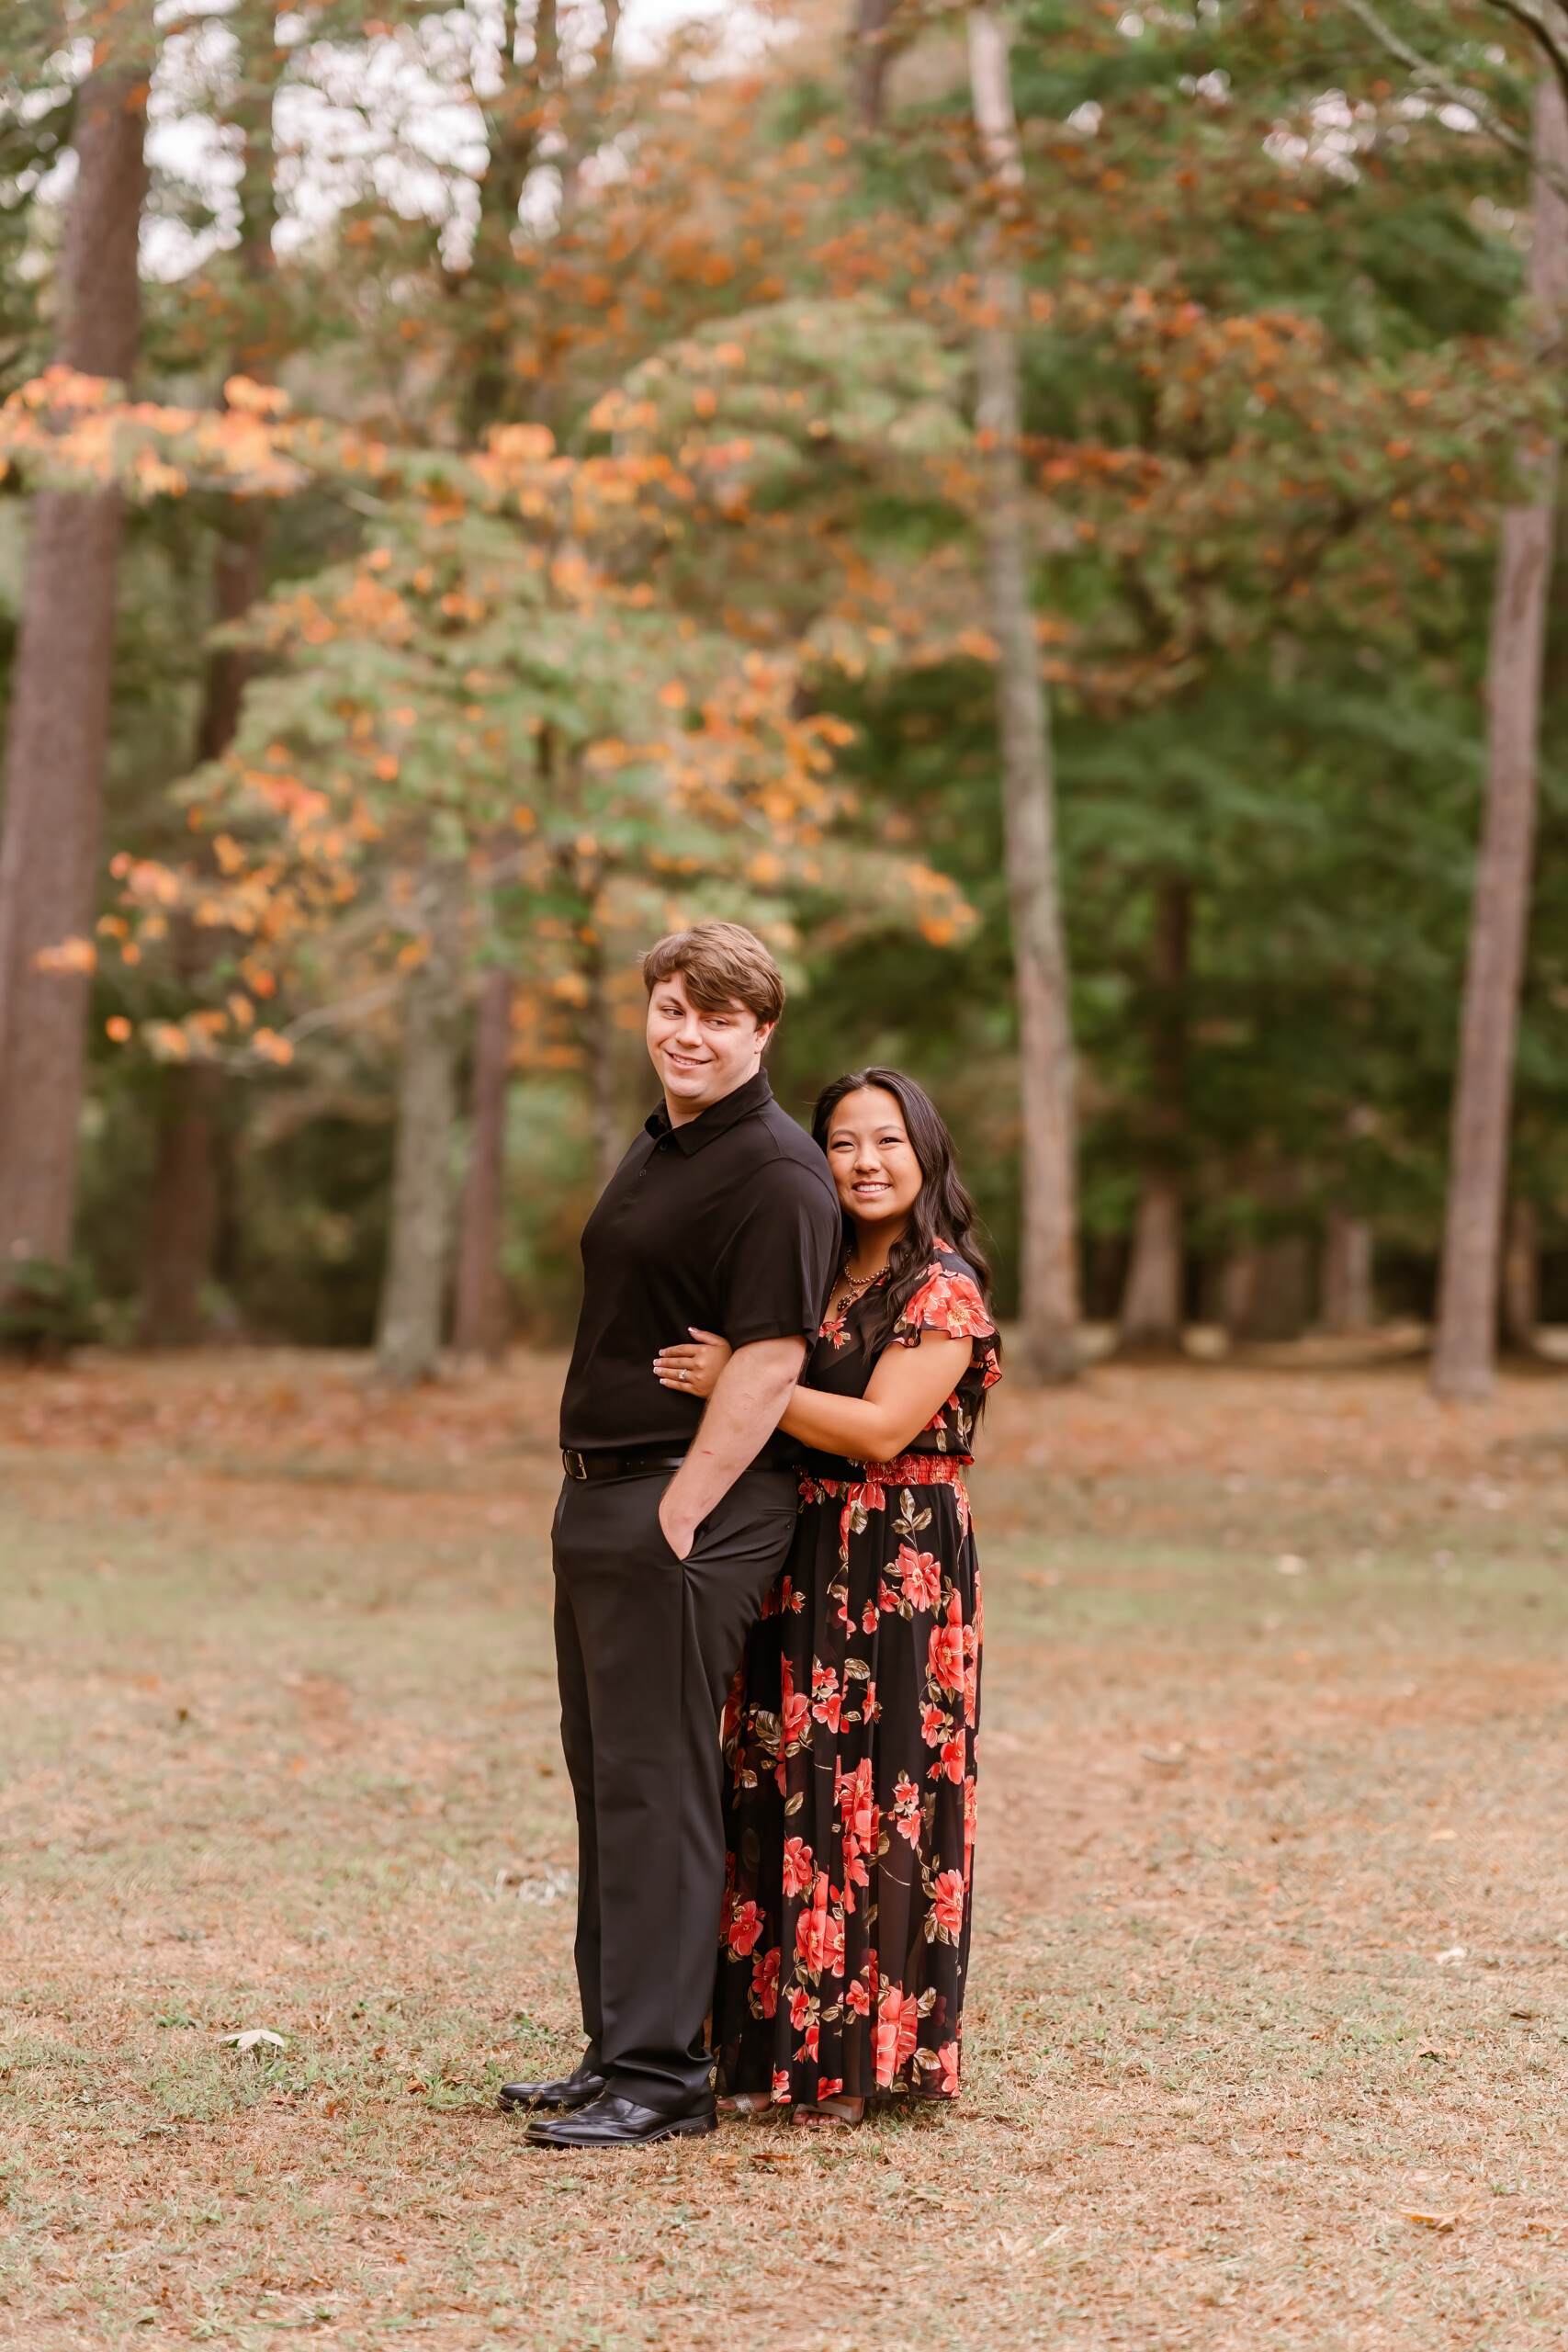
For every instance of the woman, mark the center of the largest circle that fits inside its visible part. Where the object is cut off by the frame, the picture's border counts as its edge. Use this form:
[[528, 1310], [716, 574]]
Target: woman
[[851, 1728]]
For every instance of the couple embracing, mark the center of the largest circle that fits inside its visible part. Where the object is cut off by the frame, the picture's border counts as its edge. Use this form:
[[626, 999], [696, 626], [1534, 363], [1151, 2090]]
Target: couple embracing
[[784, 1346]]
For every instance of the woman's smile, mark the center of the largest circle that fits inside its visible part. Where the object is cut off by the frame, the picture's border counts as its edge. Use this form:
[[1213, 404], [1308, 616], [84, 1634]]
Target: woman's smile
[[874, 1164]]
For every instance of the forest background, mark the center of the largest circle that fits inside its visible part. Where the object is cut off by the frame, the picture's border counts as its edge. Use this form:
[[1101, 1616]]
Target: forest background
[[570, 486]]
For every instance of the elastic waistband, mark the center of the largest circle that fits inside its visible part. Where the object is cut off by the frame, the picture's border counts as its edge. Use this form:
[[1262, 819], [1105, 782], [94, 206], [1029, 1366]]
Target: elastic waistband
[[908, 1470]]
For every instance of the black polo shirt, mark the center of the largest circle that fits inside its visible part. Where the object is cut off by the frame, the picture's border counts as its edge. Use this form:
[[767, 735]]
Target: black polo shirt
[[731, 1222]]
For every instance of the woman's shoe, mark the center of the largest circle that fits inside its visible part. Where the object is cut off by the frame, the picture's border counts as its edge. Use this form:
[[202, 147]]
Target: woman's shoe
[[844, 2112], [746, 2104]]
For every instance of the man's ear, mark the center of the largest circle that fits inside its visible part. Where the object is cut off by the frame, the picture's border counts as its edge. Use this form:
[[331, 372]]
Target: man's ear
[[764, 1036]]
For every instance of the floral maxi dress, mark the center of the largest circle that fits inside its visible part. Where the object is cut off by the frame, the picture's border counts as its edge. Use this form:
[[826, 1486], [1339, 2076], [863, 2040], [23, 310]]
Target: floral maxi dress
[[850, 1735]]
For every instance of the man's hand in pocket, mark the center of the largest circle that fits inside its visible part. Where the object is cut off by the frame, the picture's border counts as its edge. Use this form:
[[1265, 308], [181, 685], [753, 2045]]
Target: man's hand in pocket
[[680, 1533]]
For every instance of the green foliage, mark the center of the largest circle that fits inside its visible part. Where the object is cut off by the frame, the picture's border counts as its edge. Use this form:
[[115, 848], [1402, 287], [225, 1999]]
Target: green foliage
[[48, 1310], [707, 633]]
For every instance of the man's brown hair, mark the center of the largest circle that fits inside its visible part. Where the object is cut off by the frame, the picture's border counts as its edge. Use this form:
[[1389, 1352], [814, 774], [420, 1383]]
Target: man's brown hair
[[722, 963]]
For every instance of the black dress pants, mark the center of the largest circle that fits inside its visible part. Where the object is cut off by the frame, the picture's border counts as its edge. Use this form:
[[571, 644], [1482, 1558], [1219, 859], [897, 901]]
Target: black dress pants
[[646, 1647]]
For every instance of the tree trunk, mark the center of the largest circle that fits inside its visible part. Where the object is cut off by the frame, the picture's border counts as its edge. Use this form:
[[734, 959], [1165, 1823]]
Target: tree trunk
[[479, 1322], [1046, 1074], [1521, 1278], [55, 754], [1464, 1357], [183, 1221], [173, 1275], [1150, 1321], [408, 1339], [1263, 1290], [873, 56], [178, 1255], [1151, 1314], [1347, 1274]]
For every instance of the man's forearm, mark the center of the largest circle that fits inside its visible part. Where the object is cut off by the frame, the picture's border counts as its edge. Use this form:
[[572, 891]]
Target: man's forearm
[[743, 1412]]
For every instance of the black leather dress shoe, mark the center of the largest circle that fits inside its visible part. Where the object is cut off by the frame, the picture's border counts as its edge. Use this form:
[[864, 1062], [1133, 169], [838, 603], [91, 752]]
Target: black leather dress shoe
[[571, 2090], [612, 2121]]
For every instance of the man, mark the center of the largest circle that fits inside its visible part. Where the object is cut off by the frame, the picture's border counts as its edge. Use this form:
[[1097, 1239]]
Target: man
[[673, 1522]]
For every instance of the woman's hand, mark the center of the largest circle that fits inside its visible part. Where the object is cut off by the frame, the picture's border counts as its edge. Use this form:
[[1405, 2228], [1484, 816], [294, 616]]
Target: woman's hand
[[693, 1367]]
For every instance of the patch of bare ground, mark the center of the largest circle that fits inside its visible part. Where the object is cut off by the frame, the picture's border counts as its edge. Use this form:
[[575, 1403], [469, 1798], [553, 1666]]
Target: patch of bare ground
[[1266, 2044]]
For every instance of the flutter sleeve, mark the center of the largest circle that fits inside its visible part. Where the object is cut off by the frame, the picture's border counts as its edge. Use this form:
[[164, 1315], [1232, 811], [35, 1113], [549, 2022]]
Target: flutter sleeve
[[948, 1301]]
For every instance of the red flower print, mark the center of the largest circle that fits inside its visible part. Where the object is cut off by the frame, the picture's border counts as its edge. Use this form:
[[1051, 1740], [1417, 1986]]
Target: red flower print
[[799, 1867], [745, 1930], [947, 1649], [922, 1575], [818, 1937], [893, 2035], [950, 1303], [949, 1903], [857, 1802], [835, 1327], [765, 1981], [907, 1809], [794, 1708], [834, 1979]]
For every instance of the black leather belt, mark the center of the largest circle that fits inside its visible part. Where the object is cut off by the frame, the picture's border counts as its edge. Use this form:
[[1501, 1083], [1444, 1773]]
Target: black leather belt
[[642, 1461]]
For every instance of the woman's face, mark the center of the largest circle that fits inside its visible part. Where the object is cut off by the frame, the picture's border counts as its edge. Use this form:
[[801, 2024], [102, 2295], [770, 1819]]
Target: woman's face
[[872, 1160]]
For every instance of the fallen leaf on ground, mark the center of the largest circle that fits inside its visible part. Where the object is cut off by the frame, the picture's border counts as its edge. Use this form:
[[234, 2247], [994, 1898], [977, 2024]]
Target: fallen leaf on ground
[[254, 2035], [1428, 2221]]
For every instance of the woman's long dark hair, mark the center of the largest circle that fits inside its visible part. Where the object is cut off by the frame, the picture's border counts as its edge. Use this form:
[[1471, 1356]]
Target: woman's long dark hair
[[943, 1211]]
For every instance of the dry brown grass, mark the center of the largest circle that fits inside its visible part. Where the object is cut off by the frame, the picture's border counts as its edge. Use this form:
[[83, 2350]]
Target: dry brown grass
[[277, 1748]]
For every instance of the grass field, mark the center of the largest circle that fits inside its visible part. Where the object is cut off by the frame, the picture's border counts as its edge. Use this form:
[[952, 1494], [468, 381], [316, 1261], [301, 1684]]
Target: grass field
[[1265, 2043]]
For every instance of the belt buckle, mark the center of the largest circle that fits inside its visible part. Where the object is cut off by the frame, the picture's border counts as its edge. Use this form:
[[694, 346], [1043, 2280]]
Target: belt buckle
[[574, 1465]]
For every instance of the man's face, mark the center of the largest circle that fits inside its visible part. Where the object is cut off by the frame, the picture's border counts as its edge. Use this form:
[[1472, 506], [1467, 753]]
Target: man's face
[[700, 1056]]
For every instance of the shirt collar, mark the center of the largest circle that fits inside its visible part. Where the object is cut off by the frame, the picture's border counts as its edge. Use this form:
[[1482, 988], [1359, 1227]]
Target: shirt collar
[[716, 1120]]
